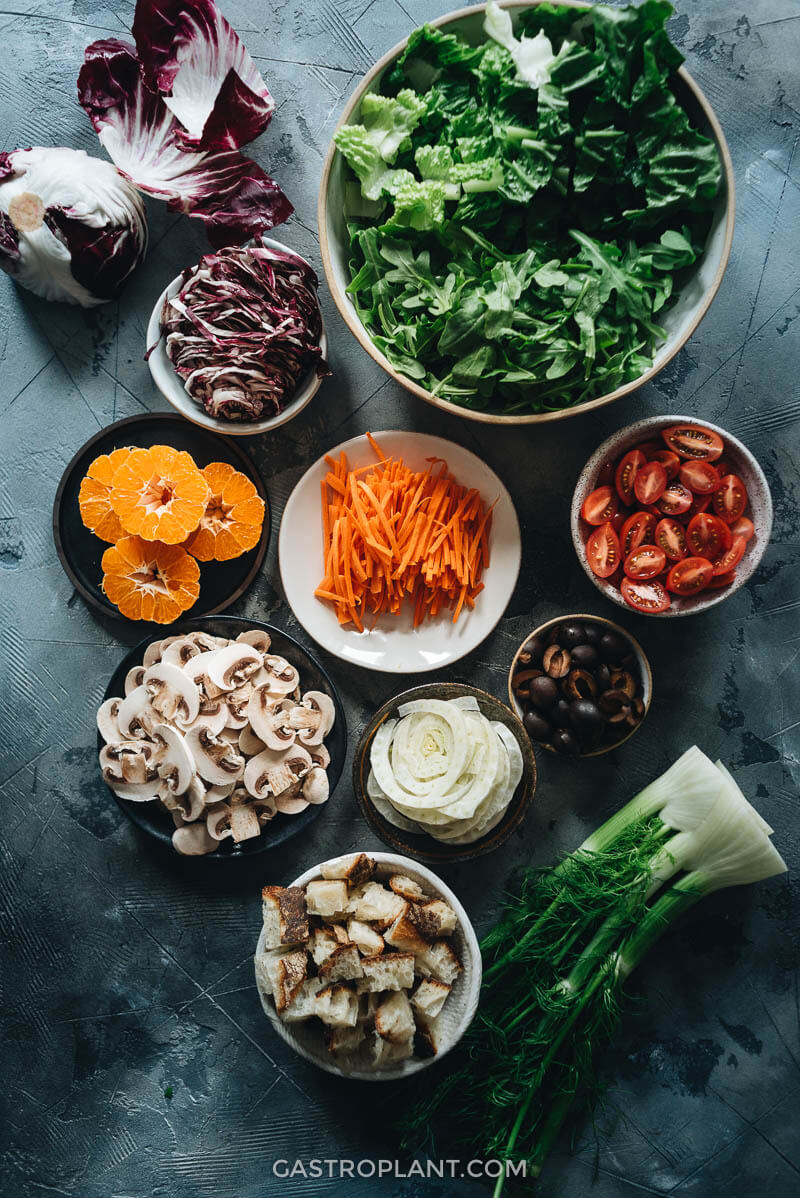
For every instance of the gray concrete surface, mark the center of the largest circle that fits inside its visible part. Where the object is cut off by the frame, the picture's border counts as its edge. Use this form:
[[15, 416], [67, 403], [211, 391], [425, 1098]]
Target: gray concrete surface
[[136, 1059]]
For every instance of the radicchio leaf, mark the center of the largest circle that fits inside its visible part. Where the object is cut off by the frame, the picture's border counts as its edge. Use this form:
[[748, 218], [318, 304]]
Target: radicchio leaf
[[230, 193], [192, 56]]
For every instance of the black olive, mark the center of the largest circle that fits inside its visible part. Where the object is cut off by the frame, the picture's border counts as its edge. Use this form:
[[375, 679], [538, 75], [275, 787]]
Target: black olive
[[592, 634], [587, 720], [560, 714], [612, 647], [602, 677], [571, 634], [534, 646], [566, 742], [537, 727], [584, 657], [544, 692]]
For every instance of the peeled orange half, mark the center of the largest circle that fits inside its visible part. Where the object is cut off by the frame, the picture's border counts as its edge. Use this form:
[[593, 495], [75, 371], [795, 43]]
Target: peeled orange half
[[233, 518], [94, 497], [159, 494], [148, 580]]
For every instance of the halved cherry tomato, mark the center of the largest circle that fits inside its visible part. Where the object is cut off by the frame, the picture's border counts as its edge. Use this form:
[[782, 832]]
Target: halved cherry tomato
[[647, 596], [636, 530], [718, 581], [700, 503], [731, 498], [670, 461], [629, 467], [689, 576], [649, 449], [603, 552], [700, 477], [645, 562], [650, 482], [600, 505], [675, 500], [671, 537], [693, 441], [731, 557], [723, 467], [617, 522], [707, 536], [743, 527]]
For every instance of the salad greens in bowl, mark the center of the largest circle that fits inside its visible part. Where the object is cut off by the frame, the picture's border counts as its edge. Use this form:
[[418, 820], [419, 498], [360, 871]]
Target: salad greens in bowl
[[527, 210]]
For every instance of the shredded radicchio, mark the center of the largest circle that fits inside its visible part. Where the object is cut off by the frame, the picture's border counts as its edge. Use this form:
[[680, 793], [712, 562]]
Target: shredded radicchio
[[244, 330]]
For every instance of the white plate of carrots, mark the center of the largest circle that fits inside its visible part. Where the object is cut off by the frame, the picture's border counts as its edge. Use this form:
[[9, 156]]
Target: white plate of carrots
[[399, 552]]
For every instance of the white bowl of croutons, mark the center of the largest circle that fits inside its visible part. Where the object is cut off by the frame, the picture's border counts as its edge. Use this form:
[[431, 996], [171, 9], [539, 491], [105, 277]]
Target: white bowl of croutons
[[368, 966]]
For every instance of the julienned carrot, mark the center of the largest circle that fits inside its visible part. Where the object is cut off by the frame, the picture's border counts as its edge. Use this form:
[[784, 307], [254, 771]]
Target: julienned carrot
[[391, 533]]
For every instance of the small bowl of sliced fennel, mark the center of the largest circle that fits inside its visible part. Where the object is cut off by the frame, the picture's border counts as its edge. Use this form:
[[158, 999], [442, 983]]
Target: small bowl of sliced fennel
[[444, 772]]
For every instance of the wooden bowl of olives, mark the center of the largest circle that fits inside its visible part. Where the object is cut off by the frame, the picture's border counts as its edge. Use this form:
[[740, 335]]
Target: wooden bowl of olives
[[581, 685]]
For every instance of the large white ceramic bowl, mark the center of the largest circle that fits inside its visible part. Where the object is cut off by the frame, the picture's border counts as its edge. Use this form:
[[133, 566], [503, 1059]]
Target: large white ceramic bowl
[[457, 1014], [679, 322], [171, 385]]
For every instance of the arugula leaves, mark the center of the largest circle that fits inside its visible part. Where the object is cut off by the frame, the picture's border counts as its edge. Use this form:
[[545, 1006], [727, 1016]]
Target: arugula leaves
[[514, 246]]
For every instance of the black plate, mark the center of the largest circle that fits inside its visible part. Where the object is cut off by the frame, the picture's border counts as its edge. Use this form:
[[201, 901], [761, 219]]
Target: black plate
[[155, 822], [80, 551]]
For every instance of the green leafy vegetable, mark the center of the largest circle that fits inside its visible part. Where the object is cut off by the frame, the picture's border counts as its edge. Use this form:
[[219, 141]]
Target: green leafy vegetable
[[539, 195]]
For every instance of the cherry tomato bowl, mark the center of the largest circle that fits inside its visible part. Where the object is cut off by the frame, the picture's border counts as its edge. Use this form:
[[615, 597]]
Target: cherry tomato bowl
[[726, 520]]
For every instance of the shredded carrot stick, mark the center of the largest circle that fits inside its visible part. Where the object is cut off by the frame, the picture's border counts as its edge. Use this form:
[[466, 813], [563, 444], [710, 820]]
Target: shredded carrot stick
[[392, 534]]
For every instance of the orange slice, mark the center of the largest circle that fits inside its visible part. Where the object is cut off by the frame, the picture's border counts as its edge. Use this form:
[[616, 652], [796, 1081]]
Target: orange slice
[[233, 519], [150, 581], [94, 497], [159, 494]]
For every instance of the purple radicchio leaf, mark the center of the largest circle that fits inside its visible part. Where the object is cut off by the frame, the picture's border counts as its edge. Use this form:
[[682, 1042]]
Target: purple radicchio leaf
[[100, 259], [192, 56], [9, 241], [233, 196]]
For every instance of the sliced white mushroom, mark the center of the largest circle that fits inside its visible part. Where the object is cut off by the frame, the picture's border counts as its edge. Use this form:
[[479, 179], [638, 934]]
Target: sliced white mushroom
[[176, 764], [216, 760], [144, 792], [266, 808], [249, 743], [276, 772], [136, 717], [180, 652], [231, 735], [290, 804], [256, 637], [193, 840], [269, 719], [107, 724], [131, 762], [197, 669], [173, 694], [312, 718], [213, 716], [232, 666], [320, 756], [219, 793], [237, 701], [190, 805], [218, 821], [205, 642], [316, 787], [244, 822], [133, 678], [283, 676], [152, 653]]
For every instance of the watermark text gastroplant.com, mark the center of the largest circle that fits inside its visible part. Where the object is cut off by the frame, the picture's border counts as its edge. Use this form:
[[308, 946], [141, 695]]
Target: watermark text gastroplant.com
[[340, 1168]]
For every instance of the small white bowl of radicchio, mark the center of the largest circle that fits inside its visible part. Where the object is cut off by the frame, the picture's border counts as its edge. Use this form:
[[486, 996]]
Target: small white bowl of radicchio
[[236, 343]]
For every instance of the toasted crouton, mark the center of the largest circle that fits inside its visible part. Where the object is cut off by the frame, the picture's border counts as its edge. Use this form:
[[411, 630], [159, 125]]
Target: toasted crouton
[[389, 971], [404, 935], [343, 965], [322, 943], [325, 898], [393, 1018], [367, 1006], [407, 888], [285, 917], [426, 925], [383, 1052], [339, 933], [354, 869], [426, 1036], [302, 1005], [341, 1041], [336, 1005], [287, 972], [437, 914], [439, 961], [368, 941], [429, 996], [373, 903]]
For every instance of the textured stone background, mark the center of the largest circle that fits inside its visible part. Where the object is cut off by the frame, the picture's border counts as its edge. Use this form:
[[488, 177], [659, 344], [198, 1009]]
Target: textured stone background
[[123, 979]]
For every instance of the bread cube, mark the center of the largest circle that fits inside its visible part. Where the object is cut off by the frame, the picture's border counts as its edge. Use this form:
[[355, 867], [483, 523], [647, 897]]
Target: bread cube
[[285, 916], [302, 1005], [407, 888], [343, 964], [389, 971], [354, 869], [429, 996], [342, 1041], [394, 1020], [328, 899], [404, 935], [440, 962], [426, 1036], [384, 1052], [322, 943], [368, 941], [336, 1005], [373, 903], [437, 915]]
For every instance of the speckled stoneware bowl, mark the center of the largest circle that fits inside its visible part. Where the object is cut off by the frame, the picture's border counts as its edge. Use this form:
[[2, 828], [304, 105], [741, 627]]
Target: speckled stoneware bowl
[[420, 845], [457, 1014], [645, 674], [744, 464]]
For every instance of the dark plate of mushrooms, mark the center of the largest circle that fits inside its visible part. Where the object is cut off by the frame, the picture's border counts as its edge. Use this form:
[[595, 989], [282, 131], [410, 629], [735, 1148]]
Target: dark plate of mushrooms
[[224, 738]]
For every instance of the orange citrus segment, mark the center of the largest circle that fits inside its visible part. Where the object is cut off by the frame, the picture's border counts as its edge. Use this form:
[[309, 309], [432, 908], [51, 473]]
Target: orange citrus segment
[[147, 580], [94, 497], [233, 518], [159, 494]]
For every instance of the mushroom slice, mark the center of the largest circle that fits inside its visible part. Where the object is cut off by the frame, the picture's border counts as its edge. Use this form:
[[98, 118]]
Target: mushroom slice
[[190, 805], [215, 759], [144, 792], [316, 787], [197, 669], [173, 694], [218, 794], [290, 804], [256, 637], [107, 724], [320, 756], [176, 764], [182, 650], [213, 716], [233, 665], [193, 840], [276, 772], [205, 642], [130, 762], [136, 717], [152, 653], [266, 808], [218, 821], [283, 676], [133, 678], [244, 822], [268, 719], [237, 701], [249, 743], [312, 718]]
